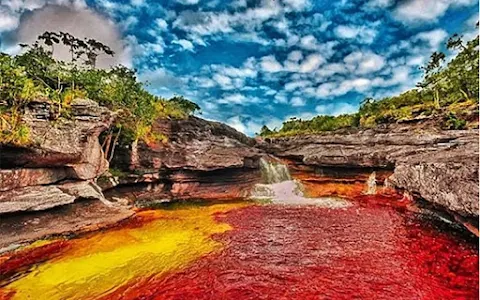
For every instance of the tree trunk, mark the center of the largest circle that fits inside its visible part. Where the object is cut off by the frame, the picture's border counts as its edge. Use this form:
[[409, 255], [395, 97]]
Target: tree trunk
[[115, 144], [437, 99], [107, 143], [134, 155]]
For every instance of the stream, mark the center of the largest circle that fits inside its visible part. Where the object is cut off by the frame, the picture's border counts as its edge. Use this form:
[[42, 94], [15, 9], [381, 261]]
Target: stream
[[283, 246]]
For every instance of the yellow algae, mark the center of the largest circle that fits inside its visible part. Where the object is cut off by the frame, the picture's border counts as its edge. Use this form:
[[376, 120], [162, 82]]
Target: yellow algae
[[99, 263]]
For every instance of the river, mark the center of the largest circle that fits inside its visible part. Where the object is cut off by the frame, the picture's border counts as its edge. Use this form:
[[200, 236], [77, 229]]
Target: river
[[368, 247]]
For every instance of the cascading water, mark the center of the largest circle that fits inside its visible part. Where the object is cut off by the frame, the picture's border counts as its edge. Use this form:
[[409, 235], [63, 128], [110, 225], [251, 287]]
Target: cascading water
[[274, 172], [279, 188]]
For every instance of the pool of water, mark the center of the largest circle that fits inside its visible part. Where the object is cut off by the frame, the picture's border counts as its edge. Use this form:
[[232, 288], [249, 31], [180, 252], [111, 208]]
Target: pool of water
[[369, 249]]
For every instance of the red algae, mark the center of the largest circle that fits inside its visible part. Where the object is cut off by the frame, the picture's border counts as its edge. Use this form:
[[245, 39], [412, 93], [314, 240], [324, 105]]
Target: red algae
[[368, 251], [25, 258]]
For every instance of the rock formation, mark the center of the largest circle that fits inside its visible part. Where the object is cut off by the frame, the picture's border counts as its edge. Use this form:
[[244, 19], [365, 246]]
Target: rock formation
[[61, 163], [200, 160], [440, 167]]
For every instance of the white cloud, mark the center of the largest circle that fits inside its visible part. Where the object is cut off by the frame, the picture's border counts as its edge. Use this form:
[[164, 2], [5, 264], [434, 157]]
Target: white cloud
[[297, 101], [433, 37], [188, 2], [204, 82], [331, 89], [224, 81], [311, 63], [236, 123], [331, 69], [335, 109], [380, 3], [137, 2], [281, 98], [309, 42], [361, 33], [295, 56], [234, 99], [297, 5], [187, 45], [235, 72], [426, 10], [161, 78], [8, 20], [161, 24], [297, 84], [362, 62], [211, 23], [270, 64]]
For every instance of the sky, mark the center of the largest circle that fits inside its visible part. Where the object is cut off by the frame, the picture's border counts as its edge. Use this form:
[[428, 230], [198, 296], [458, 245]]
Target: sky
[[249, 63]]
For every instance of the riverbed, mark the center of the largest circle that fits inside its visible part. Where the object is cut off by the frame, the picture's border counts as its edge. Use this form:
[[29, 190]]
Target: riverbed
[[373, 248]]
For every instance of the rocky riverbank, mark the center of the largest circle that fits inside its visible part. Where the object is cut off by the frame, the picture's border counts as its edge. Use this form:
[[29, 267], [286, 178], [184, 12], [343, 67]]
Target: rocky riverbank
[[62, 183], [438, 166]]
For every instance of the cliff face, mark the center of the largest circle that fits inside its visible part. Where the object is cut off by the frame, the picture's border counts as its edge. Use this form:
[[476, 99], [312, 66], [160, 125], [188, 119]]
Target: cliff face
[[62, 162], [440, 167], [56, 177], [200, 160]]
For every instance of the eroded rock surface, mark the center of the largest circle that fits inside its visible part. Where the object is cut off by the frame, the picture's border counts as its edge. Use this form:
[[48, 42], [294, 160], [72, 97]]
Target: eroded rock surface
[[438, 166], [62, 142], [34, 177], [193, 144], [201, 160]]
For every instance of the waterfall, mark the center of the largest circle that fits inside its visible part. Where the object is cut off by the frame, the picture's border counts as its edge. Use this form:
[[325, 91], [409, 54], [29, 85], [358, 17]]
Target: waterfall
[[279, 188], [274, 172], [371, 188]]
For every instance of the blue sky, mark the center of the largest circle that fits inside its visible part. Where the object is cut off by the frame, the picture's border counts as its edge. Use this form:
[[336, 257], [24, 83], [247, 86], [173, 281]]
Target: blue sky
[[249, 63]]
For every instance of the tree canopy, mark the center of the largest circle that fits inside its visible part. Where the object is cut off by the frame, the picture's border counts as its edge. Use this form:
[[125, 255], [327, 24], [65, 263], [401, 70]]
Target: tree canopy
[[36, 73]]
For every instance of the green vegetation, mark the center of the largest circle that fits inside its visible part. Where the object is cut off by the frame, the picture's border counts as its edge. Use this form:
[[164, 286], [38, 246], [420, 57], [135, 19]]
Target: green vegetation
[[448, 93], [36, 74]]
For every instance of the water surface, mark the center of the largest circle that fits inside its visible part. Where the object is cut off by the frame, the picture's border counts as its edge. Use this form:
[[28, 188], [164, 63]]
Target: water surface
[[369, 249]]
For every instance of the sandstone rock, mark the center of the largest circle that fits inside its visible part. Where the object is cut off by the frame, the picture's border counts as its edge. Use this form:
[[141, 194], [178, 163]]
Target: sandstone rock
[[35, 198], [72, 218], [62, 149], [447, 179], [438, 166], [363, 149], [18, 178], [201, 160], [82, 190], [72, 142], [194, 144]]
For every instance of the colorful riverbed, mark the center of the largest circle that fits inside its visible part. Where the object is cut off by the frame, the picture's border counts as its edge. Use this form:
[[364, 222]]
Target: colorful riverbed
[[368, 250]]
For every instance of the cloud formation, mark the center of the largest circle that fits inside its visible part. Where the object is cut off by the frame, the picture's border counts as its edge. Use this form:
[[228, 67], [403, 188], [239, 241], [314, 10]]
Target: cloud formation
[[257, 62]]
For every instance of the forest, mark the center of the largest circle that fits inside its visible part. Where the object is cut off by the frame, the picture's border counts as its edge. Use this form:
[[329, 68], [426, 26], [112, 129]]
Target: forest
[[448, 93]]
